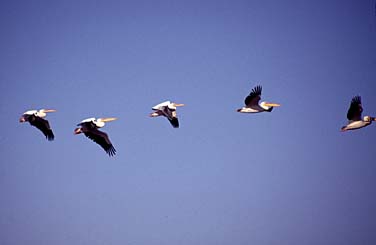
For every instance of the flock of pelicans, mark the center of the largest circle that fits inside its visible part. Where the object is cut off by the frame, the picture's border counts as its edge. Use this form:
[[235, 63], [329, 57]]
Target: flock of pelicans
[[89, 127]]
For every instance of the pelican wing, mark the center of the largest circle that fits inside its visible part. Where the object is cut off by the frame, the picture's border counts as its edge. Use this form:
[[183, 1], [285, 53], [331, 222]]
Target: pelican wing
[[42, 125], [254, 97], [174, 122], [355, 111], [101, 138], [171, 116]]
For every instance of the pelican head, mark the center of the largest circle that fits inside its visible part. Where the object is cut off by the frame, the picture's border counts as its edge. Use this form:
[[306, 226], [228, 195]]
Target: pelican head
[[174, 105], [43, 112], [369, 119], [268, 106], [100, 122]]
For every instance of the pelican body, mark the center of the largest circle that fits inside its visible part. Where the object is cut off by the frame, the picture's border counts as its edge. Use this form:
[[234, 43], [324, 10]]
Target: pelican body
[[89, 127], [354, 115], [35, 118], [252, 104], [168, 110]]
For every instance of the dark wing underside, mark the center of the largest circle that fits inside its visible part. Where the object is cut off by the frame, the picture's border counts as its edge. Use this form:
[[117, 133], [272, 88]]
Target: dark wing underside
[[43, 126], [174, 122], [171, 116], [355, 111], [101, 139], [254, 97]]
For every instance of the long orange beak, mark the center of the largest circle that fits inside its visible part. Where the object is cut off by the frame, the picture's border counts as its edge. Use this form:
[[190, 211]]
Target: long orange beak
[[177, 104], [49, 110], [272, 104], [108, 119]]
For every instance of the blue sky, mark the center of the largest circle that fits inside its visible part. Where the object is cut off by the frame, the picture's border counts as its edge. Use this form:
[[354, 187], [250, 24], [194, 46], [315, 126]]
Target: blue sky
[[286, 177]]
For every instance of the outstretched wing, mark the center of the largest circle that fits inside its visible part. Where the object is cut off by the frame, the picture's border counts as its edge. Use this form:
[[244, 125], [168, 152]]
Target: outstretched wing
[[355, 111], [101, 138], [174, 122], [44, 126], [254, 97], [171, 116]]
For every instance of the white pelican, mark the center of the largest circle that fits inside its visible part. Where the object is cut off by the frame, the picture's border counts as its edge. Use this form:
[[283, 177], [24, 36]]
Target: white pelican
[[89, 127], [167, 109], [252, 102], [354, 114], [35, 118]]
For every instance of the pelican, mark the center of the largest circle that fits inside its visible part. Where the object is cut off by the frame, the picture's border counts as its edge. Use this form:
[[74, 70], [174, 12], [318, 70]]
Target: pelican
[[35, 118], [89, 127], [354, 114], [167, 109], [252, 102]]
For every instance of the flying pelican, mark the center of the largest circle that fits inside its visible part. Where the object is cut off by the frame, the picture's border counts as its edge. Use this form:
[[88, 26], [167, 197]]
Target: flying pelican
[[35, 118], [89, 127], [252, 102], [167, 109], [354, 114]]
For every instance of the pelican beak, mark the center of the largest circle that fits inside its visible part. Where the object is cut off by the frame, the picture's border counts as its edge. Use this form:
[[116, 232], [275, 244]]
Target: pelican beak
[[22, 119], [77, 131], [108, 119], [373, 118], [272, 104], [176, 104], [48, 110]]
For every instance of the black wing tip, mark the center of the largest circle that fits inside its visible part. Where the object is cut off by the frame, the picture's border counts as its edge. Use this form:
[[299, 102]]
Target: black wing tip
[[50, 135], [174, 122], [256, 90], [50, 138], [111, 151], [356, 99]]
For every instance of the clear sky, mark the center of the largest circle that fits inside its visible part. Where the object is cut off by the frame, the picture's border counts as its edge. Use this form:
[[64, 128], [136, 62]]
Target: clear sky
[[286, 177]]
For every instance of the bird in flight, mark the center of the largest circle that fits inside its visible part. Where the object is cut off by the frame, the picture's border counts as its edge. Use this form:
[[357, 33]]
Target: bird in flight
[[35, 118], [167, 109], [354, 115], [89, 127], [252, 104]]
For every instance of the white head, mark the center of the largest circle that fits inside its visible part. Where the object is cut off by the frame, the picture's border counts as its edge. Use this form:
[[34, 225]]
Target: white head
[[100, 122], [367, 119], [43, 112], [268, 105]]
